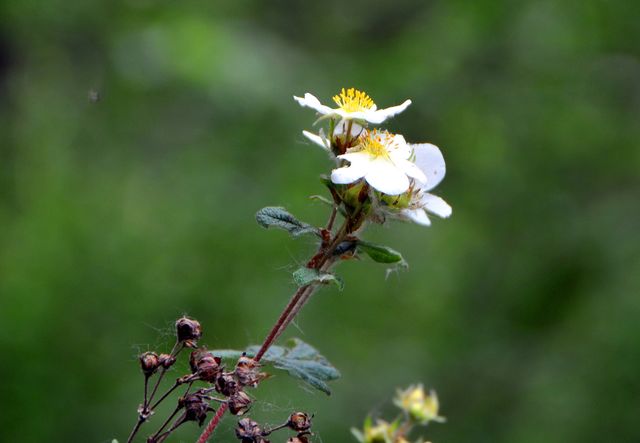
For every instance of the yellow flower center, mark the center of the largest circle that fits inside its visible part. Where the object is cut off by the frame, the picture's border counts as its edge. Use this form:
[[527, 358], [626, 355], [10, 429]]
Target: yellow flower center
[[352, 100], [374, 144]]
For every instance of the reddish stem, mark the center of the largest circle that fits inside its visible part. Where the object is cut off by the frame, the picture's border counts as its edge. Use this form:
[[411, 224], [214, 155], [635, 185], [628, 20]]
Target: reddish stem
[[213, 423]]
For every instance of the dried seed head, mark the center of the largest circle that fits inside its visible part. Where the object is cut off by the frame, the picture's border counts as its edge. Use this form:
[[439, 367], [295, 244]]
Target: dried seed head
[[226, 385], [188, 331], [195, 408], [248, 431], [149, 363], [166, 360], [239, 403], [195, 358], [248, 373], [206, 365], [299, 422], [209, 369]]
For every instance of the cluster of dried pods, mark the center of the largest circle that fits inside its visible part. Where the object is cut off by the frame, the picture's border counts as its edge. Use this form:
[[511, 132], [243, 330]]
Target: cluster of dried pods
[[223, 387]]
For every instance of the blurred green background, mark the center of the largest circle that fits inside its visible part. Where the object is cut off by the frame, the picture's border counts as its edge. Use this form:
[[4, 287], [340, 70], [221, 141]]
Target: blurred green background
[[119, 215]]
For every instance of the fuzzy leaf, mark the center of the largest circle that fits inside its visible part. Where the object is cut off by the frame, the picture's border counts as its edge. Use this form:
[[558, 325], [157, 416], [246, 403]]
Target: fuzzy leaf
[[276, 216], [299, 359], [381, 253], [305, 276]]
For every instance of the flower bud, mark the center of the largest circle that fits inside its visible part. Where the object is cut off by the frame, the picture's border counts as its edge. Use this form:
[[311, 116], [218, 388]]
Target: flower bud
[[166, 360], [248, 431], [226, 385], [239, 403], [195, 408], [188, 331], [299, 422], [149, 363], [302, 438]]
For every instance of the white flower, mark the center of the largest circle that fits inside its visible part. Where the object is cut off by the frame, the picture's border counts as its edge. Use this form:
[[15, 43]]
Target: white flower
[[430, 160], [382, 159], [352, 105]]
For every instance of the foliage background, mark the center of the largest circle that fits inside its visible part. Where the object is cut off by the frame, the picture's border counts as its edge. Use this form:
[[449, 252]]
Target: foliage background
[[120, 215]]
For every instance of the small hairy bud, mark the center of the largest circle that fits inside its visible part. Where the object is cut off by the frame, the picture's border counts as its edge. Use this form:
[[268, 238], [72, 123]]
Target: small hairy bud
[[226, 385], [195, 408], [166, 360], [149, 363], [248, 431], [302, 438], [188, 331], [299, 422], [239, 403]]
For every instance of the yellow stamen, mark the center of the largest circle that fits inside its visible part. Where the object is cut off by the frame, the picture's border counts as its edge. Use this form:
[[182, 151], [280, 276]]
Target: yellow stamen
[[352, 100], [374, 145]]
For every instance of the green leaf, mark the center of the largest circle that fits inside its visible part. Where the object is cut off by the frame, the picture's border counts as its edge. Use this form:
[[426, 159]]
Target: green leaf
[[305, 276], [276, 216], [299, 359], [381, 253]]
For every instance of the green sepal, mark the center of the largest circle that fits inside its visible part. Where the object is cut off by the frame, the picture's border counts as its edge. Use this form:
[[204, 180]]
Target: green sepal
[[381, 253]]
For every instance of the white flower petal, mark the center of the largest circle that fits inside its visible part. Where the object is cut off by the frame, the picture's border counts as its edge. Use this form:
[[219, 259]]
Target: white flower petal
[[417, 216], [316, 139], [430, 160], [381, 115], [361, 157], [358, 168], [384, 176], [436, 205], [310, 101], [411, 170]]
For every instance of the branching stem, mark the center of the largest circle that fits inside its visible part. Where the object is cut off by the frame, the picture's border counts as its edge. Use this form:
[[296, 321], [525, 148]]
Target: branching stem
[[322, 261]]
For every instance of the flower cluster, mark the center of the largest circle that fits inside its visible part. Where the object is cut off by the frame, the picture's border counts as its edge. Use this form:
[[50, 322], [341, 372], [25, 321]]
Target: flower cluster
[[378, 172], [418, 405], [418, 408]]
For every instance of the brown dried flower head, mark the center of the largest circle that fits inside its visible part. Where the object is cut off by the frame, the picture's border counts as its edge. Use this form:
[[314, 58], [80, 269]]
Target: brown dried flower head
[[239, 403], [226, 385], [248, 373], [149, 363], [188, 331], [207, 366], [166, 360], [299, 422], [248, 431], [196, 408]]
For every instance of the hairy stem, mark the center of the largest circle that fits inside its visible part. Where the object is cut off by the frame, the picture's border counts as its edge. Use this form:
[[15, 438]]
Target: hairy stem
[[212, 424], [303, 294], [322, 260]]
